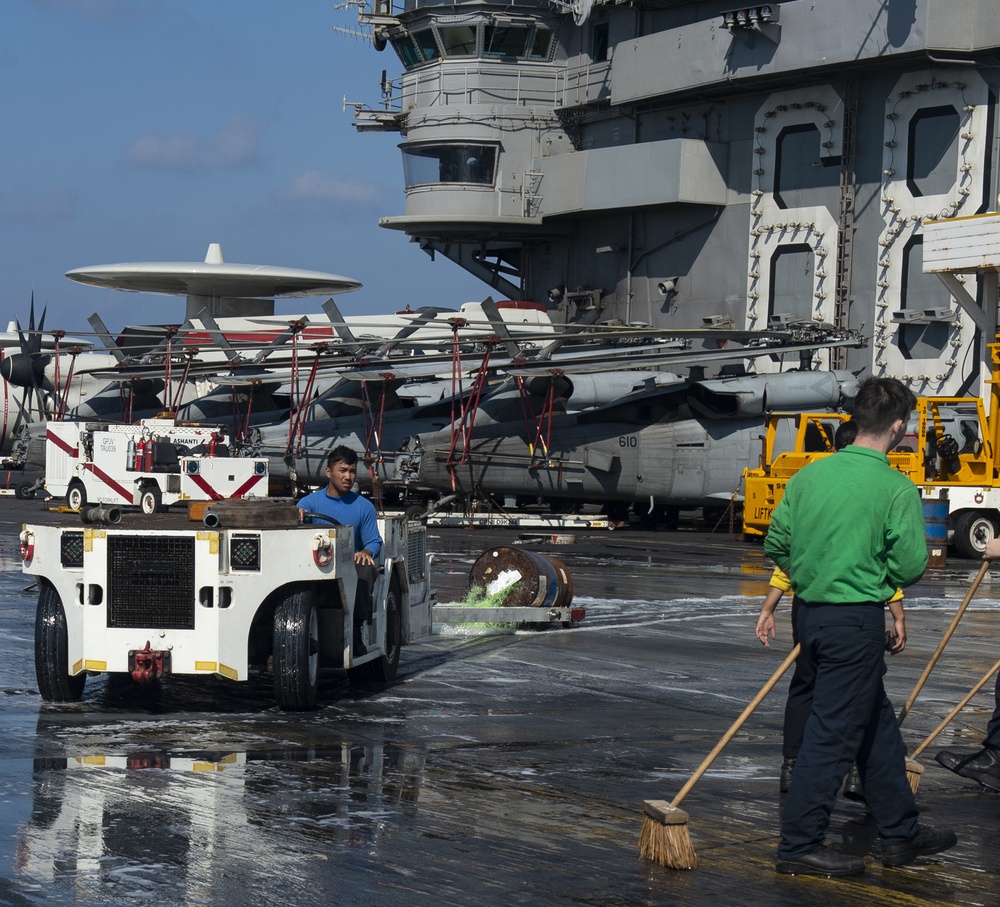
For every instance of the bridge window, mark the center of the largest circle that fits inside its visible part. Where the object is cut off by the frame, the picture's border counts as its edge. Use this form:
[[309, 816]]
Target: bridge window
[[406, 50], [474, 37], [459, 40], [506, 40], [427, 44], [541, 45], [425, 164]]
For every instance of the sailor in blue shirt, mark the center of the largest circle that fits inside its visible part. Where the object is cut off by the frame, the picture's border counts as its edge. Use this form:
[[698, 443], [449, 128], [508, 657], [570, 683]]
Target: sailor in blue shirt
[[349, 508]]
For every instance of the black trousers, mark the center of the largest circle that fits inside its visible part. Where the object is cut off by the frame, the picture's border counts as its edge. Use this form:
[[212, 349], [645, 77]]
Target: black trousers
[[993, 728], [851, 719], [798, 705], [364, 593]]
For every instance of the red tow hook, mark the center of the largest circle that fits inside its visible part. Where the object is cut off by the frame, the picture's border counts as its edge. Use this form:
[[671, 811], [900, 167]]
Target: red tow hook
[[148, 665]]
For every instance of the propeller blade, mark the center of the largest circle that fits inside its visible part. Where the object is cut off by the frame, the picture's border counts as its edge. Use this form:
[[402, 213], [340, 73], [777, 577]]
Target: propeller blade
[[25, 415], [31, 340]]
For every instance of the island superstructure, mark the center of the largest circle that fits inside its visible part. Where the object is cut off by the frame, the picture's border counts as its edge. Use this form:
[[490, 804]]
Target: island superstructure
[[683, 164]]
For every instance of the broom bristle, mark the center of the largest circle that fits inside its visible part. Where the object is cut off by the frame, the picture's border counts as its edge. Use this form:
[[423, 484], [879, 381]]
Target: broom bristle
[[664, 836], [913, 772]]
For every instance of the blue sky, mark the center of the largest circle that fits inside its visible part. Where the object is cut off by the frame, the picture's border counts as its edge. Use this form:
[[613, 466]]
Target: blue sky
[[143, 130]]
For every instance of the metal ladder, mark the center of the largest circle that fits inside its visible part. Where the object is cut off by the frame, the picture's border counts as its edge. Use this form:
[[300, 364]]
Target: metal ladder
[[530, 199], [845, 219]]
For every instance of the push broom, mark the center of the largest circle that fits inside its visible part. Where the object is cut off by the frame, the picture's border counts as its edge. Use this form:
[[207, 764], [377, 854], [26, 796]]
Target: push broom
[[664, 837], [944, 641], [914, 771], [913, 768]]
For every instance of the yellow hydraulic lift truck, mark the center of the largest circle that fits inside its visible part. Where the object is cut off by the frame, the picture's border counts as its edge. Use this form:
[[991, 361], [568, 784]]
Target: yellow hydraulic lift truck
[[950, 454], [765, 484]]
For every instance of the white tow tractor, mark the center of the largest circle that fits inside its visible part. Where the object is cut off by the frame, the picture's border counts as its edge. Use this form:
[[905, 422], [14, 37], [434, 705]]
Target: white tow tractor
[[150, 465], [154, 596]]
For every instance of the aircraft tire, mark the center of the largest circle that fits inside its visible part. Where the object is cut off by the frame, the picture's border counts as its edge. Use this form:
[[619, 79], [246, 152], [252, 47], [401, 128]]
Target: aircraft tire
[[296, 651], [415, 513], [55, 684], [973, 529], [24, 491]]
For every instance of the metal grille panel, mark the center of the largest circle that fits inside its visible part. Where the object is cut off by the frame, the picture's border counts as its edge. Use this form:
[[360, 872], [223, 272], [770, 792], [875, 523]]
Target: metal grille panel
[[71, 549], [416, 548], [151, 582], [244, 552]]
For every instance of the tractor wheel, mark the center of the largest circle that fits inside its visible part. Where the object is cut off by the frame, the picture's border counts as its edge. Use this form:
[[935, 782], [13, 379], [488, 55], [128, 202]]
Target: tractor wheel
[[76, 495], [973, 529], [384, 668], [296, 651], [149, 500], [52, 651]]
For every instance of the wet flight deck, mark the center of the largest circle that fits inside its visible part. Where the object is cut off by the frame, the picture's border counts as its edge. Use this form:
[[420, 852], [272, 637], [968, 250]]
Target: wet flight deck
[[502, 766]]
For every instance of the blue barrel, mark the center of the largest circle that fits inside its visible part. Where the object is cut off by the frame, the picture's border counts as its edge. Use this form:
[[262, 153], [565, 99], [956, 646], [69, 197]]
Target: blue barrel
[[534, 580], [936, 527]]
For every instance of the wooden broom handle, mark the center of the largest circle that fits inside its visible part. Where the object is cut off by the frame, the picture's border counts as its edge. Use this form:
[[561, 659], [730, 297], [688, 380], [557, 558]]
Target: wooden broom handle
[[944, 641], [737, 724], [958, 708]]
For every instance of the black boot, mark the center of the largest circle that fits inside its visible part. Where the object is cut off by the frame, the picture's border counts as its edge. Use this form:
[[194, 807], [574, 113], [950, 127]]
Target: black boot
[[853, 789], [786, 775], [982, 765]]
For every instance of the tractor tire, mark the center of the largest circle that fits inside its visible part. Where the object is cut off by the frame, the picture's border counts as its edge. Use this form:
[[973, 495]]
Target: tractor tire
[[55, 684], [973, 529], [384, 668], [296, 651], [150, 500], [76, 495]]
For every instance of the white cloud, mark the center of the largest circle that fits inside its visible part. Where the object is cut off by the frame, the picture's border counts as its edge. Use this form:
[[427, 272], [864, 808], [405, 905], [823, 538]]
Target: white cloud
[[235, 145], [316, 188]]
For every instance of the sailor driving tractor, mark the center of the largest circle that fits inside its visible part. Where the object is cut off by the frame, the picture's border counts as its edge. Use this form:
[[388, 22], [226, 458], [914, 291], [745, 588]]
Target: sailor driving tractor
[[339, 503]]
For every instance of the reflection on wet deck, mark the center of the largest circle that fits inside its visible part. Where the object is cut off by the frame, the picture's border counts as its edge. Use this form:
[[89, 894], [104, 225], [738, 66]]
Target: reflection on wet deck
[[502, 767]]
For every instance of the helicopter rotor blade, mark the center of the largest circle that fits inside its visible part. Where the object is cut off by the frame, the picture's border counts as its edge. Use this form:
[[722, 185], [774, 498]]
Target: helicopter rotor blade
[[340, 326], [500, 326], [215, 332], [106, 337]]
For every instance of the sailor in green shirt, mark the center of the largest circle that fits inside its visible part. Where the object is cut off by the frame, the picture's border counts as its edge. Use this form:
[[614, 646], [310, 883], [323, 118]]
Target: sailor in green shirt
[[849, 531]]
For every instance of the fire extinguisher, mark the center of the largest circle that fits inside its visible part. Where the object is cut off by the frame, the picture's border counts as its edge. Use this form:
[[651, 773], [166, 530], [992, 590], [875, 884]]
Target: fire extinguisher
[[140, 455], [130, 454], [149, 455]]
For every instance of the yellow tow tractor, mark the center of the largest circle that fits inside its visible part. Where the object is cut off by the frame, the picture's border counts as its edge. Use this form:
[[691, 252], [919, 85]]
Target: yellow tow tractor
[[950, 453]]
